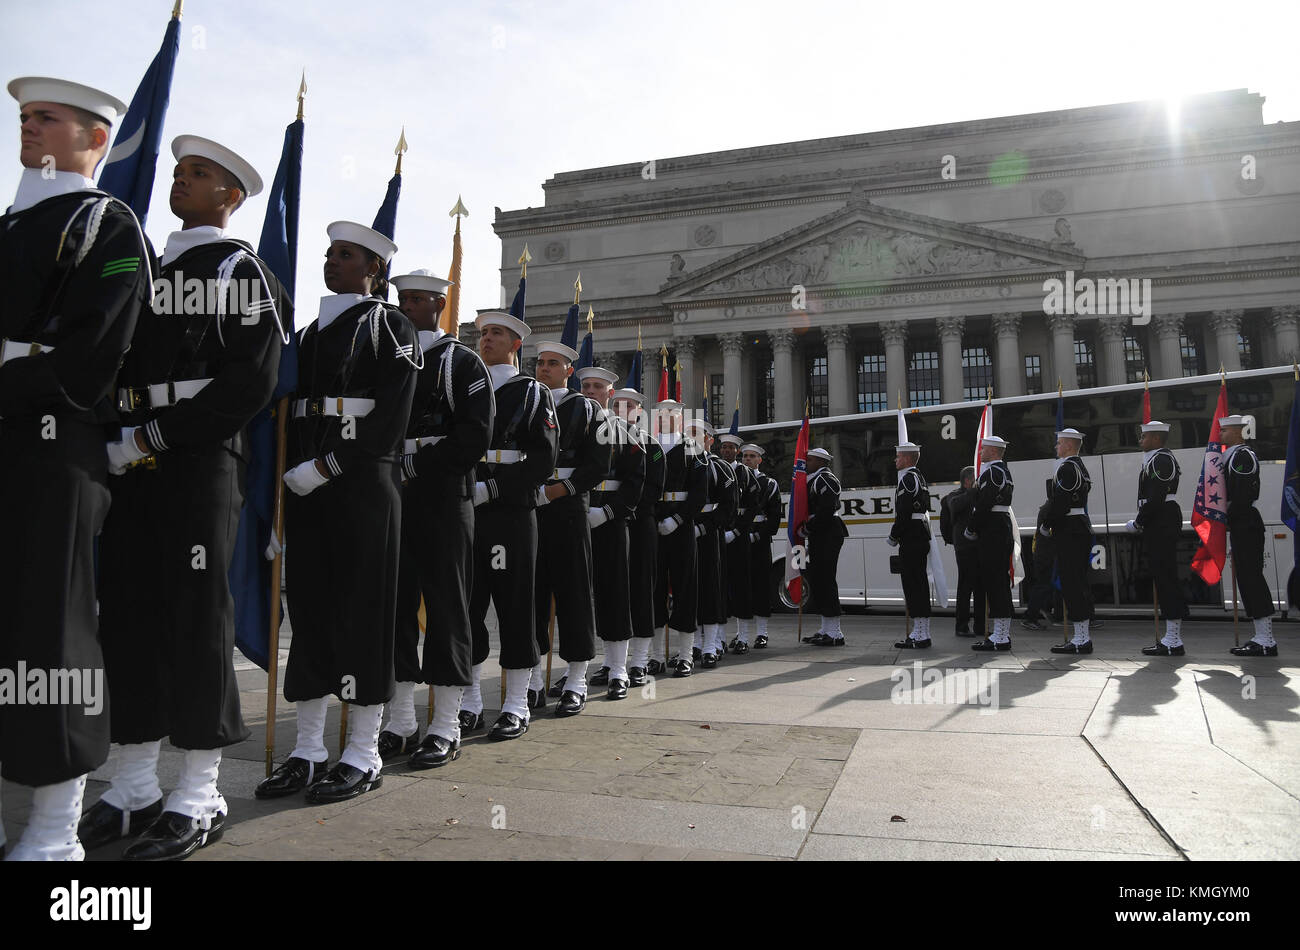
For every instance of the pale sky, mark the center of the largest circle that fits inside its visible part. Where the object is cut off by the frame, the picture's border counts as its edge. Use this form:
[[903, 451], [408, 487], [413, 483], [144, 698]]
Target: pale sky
[[498, 97]]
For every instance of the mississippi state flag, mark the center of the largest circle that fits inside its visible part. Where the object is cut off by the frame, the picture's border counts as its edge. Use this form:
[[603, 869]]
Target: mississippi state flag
[[798, 514], [1210, 510]]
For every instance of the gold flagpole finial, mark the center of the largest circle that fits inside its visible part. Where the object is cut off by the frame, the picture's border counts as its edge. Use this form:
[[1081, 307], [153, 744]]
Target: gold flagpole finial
[[737, 400], [1295, 368], [677, 368], [302, 91], [176, 10], [401, 147], [638, 336], [458, 212], [1060, 387], [989, 398], [663, 353], [524, 258], [591, 316], [1223, 374], [1146, 378], [900, 399], [577, 289]]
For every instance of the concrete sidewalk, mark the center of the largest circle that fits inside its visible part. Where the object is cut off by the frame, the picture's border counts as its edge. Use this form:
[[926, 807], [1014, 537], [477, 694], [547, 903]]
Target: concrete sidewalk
[[835, 753]]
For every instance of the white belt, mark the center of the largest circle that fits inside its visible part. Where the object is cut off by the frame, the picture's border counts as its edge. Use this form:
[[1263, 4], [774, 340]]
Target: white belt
[[917, 516], [14, 349], [673, 496], [609, 484], [710, 506], [333, 406], [503, 456], [411, 446], [1005, 509], [561, 473], [159, 394], [1076, 511], [758, 518]]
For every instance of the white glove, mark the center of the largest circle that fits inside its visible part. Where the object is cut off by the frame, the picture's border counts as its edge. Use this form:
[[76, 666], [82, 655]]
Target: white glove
[[667, 527], [753, 537], [121, 454], [541, 497], [699, 530], [966, 533], [597, 517], [891, 542], [729, 536], [304, 478], [1132, 527], [480, 493], [273, 548]]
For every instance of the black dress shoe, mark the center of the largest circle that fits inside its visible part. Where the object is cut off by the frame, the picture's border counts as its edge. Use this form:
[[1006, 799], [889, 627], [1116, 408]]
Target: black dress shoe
[[825, 640], [683, 668], [1161, 650], [600, 677], [570, 704], [708, 661], [1073, 648], [988, 646], [966, 633], [435, 751], [655, 668], [392, 745], [1253, 649], [907, 643], [760, 642], [469, 722], [537, 699], [696, 654], [291, 777], [617, 689], [341, 783], [557, 690], [739, 647], [174, 836], [508, 726], [104, 823], [636, 676]]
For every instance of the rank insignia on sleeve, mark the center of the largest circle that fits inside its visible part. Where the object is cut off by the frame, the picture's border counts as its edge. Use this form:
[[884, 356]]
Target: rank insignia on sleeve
[[123, 265]]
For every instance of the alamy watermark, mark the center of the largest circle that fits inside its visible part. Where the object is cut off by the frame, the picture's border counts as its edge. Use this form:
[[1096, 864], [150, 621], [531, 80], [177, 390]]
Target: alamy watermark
[[58, 687], [946, 687], [1089, 297], [178, 295]]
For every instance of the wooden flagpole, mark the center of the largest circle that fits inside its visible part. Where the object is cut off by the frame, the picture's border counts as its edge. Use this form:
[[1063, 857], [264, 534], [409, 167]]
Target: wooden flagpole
[[273, 646]]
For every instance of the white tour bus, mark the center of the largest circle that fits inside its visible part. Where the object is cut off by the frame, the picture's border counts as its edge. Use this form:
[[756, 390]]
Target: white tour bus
[[863, 447]]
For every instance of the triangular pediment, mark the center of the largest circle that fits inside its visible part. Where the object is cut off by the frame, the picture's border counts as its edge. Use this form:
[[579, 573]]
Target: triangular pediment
[[865, 245]]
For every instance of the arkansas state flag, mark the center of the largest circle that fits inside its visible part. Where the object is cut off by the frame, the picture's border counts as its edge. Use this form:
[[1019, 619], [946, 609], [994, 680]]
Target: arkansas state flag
[[798, 515], [1210, 510]]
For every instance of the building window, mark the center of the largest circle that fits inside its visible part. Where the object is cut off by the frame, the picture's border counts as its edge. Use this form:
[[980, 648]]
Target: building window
[[1085, 362], [1192, 353], [1246, 351], [872, 396], [1033, 375], [819, 400], [717, 397], [767, 392], [976, 372], [923, 378], [1135, 358]]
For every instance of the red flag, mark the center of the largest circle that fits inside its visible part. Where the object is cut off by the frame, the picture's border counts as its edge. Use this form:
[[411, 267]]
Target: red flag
[[663, 376], [985, 429], [798, 515], [1146, 401], [1210, 509]]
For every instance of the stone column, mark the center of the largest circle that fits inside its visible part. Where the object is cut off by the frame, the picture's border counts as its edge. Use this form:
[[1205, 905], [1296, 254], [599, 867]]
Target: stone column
[[1285, 335], [950, 329], [691, 395], [839, 370], [894, 333], [783, 375], [1168, 330], [1226, 324], [1010, 371], [1061, 326], [733, 346], [1111, 332]]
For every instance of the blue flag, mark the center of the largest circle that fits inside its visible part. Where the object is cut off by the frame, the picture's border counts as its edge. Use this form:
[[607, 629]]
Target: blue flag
[[586, 357], [569, 335], [1291, 495], [735, 423], [250, 572], [517, 305], [386, 217], [129, 169], [634, 374]]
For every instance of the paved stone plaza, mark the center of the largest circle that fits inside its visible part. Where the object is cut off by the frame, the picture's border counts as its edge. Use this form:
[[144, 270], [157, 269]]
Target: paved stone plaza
[[804, 752]]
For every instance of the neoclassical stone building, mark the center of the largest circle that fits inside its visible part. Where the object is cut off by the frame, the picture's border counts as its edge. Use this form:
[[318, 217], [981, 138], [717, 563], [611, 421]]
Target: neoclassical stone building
[[844, 271]]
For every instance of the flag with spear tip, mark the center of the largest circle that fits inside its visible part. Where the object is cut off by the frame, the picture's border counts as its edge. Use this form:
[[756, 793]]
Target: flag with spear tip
[[663, 374], [386, 217], [634, 371], [586, 353], [677, 376], [569, 335], [450, 319]]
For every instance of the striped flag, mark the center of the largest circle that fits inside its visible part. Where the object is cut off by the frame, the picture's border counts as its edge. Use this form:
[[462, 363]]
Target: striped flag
[[1210, 509], [798, 515]]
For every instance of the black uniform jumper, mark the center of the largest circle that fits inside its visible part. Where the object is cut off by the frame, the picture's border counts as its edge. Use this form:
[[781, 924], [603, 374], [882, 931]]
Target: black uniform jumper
[[342, 540], [166, 613], [449, 430], [911, 530], [766, 522], [519, 460], [1246, 530], [969, 588], [715, 519], [825, 536], [1161, 521], [737, 556], [76, 273], [617, 495], [990, 522], [564, 536], [643, 537], [1065, 516], [686, 475]]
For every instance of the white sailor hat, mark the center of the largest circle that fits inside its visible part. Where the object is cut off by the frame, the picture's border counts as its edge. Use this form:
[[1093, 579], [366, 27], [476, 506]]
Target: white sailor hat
[[669, 405], [596, 372], [422, 279], [751, 447], [820, 454], [499, 318], [696, 422], [630, 394], [1232, 421], [1070, 434], [559, 349], [732, 439], [45, 89], [907, 447], [995, 441], [368, 238], [1155, 426], [199, 147]]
